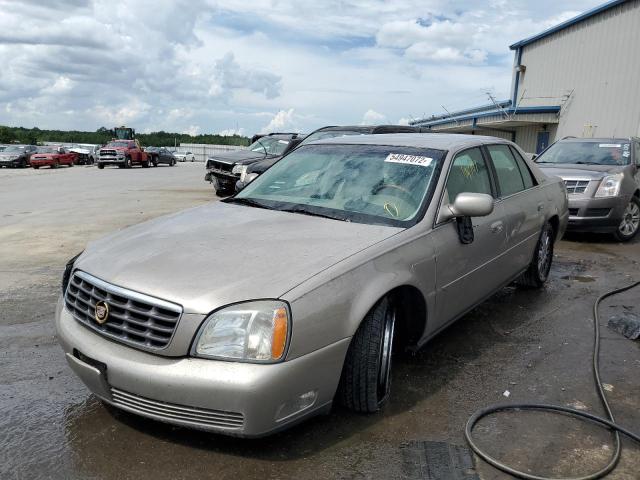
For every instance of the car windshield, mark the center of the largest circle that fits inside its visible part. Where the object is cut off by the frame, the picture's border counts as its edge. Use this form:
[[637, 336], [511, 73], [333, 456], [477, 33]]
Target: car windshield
[[118, 144], [46, 150], [329, 134], [14, 149], [588, 153], [377, 184], [269, 146]]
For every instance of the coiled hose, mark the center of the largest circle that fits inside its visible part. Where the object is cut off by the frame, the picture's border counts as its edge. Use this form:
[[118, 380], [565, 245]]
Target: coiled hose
[[607, 422]]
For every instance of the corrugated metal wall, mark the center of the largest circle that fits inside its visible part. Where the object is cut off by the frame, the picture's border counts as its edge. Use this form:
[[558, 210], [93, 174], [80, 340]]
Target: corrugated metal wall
[[597, 63], [202, 151]]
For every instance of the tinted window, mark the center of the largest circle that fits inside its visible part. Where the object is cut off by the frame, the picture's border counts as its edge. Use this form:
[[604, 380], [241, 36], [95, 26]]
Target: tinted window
[[509, 177], [524, 169], [468, 173]]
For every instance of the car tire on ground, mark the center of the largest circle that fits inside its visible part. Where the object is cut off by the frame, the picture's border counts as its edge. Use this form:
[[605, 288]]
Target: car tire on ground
[[630, 223], [36, 167], [127, 162], [55, 165], [366, 375], [539, 268], [101, 166], [172, 163], [145, 164]]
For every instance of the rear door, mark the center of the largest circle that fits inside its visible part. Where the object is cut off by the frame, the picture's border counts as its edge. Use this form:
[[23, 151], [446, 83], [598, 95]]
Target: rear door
[[523, 201], [467, 273]]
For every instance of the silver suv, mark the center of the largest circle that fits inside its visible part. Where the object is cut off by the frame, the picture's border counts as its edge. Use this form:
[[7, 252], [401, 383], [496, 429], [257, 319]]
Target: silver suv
[[602, 176]]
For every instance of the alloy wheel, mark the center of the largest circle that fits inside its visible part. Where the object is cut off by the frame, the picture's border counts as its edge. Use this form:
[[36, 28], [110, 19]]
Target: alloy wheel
[[630, 220], [544, 253]]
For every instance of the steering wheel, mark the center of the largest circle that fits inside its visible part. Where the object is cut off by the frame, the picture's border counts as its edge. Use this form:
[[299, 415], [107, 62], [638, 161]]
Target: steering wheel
[[405, 194]]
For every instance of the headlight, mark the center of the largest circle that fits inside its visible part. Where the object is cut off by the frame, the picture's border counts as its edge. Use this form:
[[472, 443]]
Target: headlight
[[610, 186], [239, 170], [253, 331], [250, 177], [66, 276]]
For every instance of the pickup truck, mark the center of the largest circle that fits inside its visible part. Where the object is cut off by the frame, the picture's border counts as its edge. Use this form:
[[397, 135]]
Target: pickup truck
[[123, 153], [225, 169]]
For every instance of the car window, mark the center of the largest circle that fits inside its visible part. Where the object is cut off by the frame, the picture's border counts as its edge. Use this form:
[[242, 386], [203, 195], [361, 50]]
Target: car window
[[469, 173], [636, 146], [527, 176], [509, 177]]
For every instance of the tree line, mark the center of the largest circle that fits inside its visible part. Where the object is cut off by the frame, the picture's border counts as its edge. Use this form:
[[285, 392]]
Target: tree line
[[33, 136]]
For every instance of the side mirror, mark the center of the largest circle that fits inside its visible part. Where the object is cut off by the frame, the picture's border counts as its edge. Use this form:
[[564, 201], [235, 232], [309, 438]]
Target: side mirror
[[468, 205]]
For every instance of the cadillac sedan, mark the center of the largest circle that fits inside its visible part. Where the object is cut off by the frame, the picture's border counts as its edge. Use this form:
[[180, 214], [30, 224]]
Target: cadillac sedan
[[248, 315]]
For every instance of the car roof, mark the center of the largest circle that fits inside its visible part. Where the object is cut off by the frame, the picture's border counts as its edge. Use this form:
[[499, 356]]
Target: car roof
[[437, 141], [594, 140]]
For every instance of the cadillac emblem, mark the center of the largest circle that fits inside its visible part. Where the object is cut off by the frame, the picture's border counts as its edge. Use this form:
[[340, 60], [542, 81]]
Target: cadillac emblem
[[102, 312]]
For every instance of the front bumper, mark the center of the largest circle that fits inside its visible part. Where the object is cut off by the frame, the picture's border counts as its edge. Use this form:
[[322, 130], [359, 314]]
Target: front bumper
[[11, 163], [596, 214], [225, 181], [233, 398]]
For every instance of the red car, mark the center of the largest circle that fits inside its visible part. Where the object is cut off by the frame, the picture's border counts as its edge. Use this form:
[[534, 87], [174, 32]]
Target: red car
[[52, 157]]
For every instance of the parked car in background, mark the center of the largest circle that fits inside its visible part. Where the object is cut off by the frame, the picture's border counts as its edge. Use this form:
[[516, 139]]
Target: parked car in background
[[86, 153], [159, 155], [602, 176], [257, 168], [123, 153], [52, 157], [225, 169], [17, 156], [357, 247], [184, 157]]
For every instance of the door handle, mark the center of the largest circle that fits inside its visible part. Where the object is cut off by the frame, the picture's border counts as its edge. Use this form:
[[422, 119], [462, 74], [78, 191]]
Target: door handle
[[497, 227]]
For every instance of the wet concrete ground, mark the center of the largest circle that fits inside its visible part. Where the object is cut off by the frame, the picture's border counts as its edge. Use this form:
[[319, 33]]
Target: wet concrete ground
[[535, 344]]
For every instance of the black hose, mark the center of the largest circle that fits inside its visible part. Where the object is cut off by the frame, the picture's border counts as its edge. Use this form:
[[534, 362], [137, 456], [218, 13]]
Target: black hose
[[607, 422]]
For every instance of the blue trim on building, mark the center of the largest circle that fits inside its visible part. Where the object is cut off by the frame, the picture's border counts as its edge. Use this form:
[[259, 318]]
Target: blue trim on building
[[583, 16], [482, 108], [490, 113]]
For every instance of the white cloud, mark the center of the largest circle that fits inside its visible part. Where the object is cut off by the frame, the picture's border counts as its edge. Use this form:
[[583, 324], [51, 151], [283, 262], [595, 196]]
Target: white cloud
[[283, 121], [371, 117], [192, 130], [175, 65], [403, 121], [229, 132]]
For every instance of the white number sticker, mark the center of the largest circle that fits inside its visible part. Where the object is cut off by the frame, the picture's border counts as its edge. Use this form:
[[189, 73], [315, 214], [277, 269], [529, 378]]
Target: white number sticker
[[409, 159], [609, 145]]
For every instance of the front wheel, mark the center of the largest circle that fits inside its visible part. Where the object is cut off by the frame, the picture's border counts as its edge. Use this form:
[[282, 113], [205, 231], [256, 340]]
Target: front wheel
[[539, 268], [366, 375], [127, 162], [630, 223]]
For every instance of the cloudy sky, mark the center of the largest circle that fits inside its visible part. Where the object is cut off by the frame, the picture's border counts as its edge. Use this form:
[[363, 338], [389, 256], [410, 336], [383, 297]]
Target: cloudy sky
[[209, 66]]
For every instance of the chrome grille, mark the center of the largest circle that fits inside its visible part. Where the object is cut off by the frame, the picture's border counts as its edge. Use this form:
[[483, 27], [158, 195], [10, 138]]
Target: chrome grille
[[576, 185], [199, 417], [134, 318], [108, 153]]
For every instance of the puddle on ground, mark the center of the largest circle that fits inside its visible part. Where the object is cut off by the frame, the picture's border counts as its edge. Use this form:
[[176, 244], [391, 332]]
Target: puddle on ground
[[580, 278]]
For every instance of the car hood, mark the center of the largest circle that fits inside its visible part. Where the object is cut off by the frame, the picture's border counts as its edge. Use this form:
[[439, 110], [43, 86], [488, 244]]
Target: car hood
[[237, 156], [221, 253], [593, 172]]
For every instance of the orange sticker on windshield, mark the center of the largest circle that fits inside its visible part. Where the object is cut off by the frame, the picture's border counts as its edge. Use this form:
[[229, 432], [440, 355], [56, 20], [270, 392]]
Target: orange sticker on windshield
[[409, 159]]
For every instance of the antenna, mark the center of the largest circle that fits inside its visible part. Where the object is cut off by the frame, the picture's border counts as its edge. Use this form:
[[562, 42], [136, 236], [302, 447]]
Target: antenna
[[493, 100], [450, 114]]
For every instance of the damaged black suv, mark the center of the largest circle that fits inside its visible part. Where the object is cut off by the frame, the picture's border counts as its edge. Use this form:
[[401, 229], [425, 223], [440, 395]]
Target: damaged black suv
[[225, 169]]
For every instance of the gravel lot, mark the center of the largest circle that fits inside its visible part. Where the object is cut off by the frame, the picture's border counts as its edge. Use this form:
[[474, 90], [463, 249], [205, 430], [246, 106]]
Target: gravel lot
[[536, 345]]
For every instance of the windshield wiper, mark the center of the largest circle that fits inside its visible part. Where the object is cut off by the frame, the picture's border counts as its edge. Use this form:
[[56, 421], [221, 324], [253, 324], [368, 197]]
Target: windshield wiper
[[580, 162], [304, 211], [249, 202]]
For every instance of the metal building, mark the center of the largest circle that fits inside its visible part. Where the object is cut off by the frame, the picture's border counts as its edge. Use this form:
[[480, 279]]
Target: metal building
[[579, 78]]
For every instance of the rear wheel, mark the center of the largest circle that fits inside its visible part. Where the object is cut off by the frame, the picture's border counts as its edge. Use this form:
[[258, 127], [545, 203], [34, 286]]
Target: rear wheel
[[366, 374], [630, 223], [539, 268]]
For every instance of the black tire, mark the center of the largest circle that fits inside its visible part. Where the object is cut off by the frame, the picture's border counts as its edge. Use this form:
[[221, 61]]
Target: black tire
[[55, 165], [101, 166], [172, 163], [24, 164], [366, 375], [630, 223], [35, 167], [127, 162], [538, 272], [145, 164]]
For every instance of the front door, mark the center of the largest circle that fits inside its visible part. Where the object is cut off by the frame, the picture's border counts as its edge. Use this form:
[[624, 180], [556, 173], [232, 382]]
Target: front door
[[543, 142], [467, 273]]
